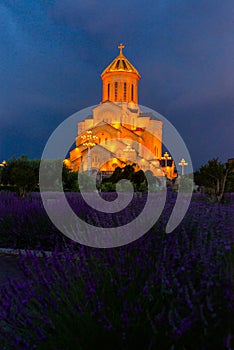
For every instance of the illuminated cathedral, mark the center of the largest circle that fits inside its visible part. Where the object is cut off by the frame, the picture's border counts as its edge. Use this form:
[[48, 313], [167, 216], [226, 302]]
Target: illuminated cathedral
[[118, 130]]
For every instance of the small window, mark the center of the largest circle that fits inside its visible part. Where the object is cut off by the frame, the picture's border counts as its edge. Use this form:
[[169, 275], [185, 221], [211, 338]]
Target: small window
[[116, 91], [125, 91], [108, 91], [132, 93]]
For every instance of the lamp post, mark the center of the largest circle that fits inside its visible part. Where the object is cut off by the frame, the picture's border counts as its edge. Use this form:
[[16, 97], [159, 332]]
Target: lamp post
[[4, 163], [183, 163], [166, 157], [130, 153], [89, 142]]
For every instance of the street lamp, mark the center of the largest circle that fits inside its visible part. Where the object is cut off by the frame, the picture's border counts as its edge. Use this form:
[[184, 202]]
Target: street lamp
[[183, 163], [4, 163], [89, 142], [130, 152], [166, 157]]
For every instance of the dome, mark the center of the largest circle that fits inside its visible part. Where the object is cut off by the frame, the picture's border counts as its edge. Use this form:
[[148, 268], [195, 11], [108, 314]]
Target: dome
[[121, 64]]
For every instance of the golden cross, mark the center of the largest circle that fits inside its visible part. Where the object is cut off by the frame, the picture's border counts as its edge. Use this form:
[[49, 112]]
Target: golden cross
[[121, 47]]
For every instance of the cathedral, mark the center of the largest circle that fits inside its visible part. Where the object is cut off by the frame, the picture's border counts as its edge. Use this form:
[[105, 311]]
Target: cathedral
[[118, 132]]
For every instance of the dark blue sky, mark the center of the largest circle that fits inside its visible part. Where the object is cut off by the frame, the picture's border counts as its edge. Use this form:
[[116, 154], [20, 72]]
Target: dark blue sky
[[53, 52]]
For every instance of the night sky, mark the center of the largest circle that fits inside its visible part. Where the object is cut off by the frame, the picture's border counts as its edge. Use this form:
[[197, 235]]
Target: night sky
[[53, 52]]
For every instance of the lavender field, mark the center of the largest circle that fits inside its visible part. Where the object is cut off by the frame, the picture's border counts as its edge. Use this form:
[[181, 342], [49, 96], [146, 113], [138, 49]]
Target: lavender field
[[162, 291]]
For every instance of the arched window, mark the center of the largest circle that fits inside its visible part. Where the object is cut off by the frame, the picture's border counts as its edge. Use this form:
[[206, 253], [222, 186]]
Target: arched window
[[116, 91], [132, 93], [108, 91], [125, 91]]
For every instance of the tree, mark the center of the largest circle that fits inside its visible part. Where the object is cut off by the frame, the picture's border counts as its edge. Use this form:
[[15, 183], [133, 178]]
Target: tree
[[24, 179], [128, 171], [86, 183], [186, 184], [117, 175], [214, 176], [21, 173], [70, 180], [137, 178]]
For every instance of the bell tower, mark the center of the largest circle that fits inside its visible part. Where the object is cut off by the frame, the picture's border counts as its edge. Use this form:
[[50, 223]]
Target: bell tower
[[120, 80]]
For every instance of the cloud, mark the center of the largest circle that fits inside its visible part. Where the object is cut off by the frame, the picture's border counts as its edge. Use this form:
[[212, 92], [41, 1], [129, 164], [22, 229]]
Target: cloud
[[96, 18]]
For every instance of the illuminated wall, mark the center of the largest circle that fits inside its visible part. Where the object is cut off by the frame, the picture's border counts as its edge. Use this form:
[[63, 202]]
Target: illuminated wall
[[119, 118]]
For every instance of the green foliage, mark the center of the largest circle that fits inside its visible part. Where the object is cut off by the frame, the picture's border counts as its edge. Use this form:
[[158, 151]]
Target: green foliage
[[21, 173], [137, 178], [70, 180], [186, 184], [108, 186], [124, 185], [18, 175], [215, 177], [24, 179], [154, 183], [86, 182], [7, 177], [50, 171]]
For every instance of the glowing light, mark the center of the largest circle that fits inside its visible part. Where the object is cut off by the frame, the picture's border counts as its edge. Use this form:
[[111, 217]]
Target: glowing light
[[166, 157], [183, 163], [120, 84], [89, 139], [4, 163]]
